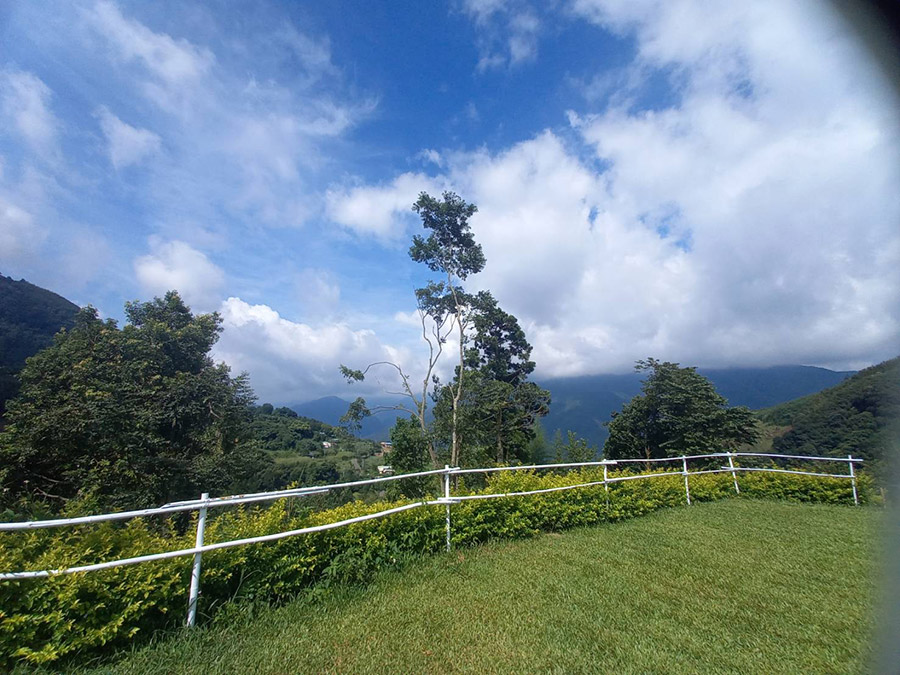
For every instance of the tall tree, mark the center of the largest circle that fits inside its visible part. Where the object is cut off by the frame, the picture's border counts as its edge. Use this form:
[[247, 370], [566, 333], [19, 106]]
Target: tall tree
[[444, 308], [128, 417], [678, 413], [500, 408]]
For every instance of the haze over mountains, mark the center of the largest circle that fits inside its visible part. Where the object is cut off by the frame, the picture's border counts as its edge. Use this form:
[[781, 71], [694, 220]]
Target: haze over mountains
[[582, 404]]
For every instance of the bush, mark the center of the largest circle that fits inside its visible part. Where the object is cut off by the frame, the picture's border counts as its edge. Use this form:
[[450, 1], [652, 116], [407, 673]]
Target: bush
[[45, 620]]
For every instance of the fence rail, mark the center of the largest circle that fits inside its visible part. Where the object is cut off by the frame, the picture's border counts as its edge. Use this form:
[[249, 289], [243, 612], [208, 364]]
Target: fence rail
[[447, 499]]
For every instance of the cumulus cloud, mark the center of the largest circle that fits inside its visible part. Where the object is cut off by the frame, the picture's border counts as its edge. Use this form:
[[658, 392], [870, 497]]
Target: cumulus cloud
[[378, 210], [127, 145], [750, 222], [175, 265], [290, 361], [25, 104]]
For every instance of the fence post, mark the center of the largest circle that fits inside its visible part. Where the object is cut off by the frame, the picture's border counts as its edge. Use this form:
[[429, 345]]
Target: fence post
[[447, 497], [195, 572], [853, 479], [733, 473], [687, 490], [605, 485]]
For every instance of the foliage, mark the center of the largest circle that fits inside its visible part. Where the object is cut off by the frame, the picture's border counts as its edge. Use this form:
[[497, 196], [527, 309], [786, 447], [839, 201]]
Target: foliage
[[450, 247], [130, 417], [858, 416], [679, 413], [282, 429], [45, 620]]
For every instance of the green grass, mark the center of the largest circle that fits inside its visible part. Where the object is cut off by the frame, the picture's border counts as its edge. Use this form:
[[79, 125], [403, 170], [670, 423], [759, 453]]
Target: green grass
[[736, 586]]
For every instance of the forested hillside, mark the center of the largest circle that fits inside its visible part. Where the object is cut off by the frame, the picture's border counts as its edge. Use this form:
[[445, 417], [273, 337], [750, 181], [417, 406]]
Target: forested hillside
[[29, 318], [306, 451], [858, 417]]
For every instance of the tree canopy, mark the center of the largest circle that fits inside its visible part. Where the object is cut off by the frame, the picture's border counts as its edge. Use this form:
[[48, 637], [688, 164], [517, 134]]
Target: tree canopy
[[678, 413], [128, 417]]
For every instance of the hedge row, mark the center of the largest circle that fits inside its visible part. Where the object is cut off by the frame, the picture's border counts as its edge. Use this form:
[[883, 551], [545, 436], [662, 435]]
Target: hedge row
[[43, 621]]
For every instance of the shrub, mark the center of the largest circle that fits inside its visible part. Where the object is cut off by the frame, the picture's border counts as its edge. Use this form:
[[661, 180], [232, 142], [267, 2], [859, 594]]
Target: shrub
[[45, 620]]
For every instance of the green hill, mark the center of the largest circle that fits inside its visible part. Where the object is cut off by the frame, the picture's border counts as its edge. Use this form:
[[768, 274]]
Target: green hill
[[858, 416], [29, 318], [307, 451]]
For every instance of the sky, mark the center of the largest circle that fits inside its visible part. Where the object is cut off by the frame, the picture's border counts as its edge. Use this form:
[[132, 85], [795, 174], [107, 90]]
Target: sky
[[713, 183]]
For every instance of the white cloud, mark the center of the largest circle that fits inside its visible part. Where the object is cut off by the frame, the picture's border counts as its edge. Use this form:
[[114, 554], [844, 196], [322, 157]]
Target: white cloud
[[176, 66], [238, 141], [291, 362], [378, 210], [20, 237], [319, 292], [175, 265], [753, 221], [25, 104], [431, 156], [127, 145], [508, 32]]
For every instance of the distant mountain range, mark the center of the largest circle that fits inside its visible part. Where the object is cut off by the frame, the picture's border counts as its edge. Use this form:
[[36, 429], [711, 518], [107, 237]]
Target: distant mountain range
[[583, 404]]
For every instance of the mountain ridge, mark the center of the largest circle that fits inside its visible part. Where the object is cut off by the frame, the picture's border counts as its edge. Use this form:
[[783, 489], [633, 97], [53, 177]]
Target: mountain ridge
[[583, 403], [29, 318]]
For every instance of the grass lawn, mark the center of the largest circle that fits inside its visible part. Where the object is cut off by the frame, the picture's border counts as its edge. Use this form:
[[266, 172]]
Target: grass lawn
[[736, 586]]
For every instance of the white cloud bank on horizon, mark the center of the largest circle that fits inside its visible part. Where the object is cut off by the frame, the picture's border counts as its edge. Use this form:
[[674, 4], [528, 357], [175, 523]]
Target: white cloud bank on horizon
[[290, 362]]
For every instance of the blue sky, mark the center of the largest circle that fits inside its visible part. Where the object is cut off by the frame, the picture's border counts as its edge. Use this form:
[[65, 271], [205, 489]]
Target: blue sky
[[705, 182]]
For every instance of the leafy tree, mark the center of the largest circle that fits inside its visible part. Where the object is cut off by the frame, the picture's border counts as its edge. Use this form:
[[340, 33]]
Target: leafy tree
[[443, 306], [497, 415], [537, 449], [578, 450], [678, 413], [130, 417]]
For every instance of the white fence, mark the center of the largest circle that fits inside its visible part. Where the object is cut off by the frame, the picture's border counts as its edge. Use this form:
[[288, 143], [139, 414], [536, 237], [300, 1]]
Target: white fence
[[205, 503]]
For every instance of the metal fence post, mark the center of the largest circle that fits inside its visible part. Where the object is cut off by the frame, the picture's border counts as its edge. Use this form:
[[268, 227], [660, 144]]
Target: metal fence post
[[853, 479], [733, 473], [195, 572], [687, 490], [606, 487], [447, 497]]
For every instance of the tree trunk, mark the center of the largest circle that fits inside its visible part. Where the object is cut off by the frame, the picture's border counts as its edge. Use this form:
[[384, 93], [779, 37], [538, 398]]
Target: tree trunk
[[500, 457]]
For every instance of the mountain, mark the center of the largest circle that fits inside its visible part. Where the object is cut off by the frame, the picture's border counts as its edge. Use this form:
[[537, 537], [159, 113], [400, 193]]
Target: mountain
[[583, 404], [29, 318], [330, 409], [859, 416]]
